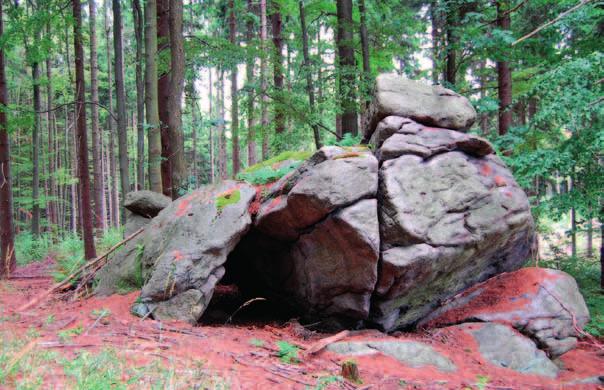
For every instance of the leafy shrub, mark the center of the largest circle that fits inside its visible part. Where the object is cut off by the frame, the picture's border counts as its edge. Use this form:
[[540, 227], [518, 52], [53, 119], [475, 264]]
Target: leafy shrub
[[349, 140], [29, 249], [288, 353], [267, 171]]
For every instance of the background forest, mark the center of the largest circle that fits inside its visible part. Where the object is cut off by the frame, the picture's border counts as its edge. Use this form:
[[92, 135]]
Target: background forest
[[103, 98]]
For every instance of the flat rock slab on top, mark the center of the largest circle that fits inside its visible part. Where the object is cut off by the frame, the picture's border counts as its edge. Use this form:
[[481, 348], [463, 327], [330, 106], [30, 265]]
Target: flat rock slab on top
[[426, 104], [146, 203], [544, 304], [409, 353]]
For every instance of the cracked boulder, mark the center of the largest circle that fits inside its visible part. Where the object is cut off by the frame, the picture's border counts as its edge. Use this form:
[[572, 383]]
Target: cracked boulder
[[183, 250], [316, 236], [544, 304], [451, 215], [432, 105]]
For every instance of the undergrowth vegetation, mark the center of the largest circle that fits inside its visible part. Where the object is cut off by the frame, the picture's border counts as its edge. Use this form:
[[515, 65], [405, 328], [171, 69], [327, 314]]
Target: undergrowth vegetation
[[274, 168]]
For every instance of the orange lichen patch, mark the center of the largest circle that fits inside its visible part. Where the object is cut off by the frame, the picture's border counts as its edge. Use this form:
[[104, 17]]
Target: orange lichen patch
[[347, 155], [255, 205], [183, 206], [274, 203], [500, 181], [504, 293], [486, 169], [177, 255]]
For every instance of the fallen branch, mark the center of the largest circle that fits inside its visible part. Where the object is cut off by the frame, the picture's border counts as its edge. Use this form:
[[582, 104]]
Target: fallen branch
[[247, 303], [323, 343], [65, 283]]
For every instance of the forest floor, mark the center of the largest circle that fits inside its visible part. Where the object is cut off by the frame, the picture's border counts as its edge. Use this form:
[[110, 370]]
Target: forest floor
[[97, 344]]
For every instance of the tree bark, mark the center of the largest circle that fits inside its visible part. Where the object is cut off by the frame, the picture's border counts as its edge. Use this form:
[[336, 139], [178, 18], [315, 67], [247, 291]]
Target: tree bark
[[367, 81], [347, 68], [249, 67], [435, 40], [177, 79], [451, 35], [52, 166], [35, 218], [122, 127], [7, 225], [140, 93], [234, 94], [222, 153], [98, 185], [163, 93], [82, 144], [504, 75], [276, 24], [310, 90], [151, 98], [264, 121]]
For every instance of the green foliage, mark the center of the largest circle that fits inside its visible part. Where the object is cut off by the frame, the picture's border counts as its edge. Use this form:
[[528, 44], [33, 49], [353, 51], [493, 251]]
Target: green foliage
[[101, 371], [256, 342], [586, 272], [29, 249], [228, 198], [324, 381], [288, 353], [349, 140], [274, 168]]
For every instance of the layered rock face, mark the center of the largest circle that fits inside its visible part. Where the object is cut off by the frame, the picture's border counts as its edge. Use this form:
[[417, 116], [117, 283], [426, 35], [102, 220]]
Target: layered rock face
[[370, 236]]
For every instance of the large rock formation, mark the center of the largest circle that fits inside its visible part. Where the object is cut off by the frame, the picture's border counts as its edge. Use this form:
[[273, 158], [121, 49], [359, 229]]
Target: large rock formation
[[374, 236]]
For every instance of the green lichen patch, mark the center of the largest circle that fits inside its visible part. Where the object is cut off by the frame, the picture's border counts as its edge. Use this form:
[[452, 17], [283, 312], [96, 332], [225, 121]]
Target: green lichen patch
[[274, 168], [227, 198]]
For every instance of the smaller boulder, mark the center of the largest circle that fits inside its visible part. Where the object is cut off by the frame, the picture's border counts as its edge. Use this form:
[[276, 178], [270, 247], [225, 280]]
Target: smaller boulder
[[431, 105], [410, 353], [544, 304], [146, 203], [504, 347]]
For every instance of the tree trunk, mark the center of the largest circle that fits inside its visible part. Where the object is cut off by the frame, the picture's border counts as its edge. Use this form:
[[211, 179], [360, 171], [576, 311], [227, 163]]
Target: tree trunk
[[151, 98], [7, 225], [177, 79], [276, 24], [484, 118], [366, 89], [346, 68], [211, 131], [451, 35], [249, 67], [310, 90], [122, 127], [140, 93], [234, 94], [163, 92], [35, 140], [589, 246], [52, 186], [98, 186], [264, 121], [435, 40], [82, 144], [222, 153], [504, 75]]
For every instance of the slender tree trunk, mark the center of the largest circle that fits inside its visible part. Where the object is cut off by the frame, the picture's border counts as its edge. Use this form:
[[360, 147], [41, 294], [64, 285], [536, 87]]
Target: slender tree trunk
[[98, 186], [151, 97], [84, 176], [249, 67], [35, 140], [122, 127], [590, 244], [346, 68], [234, 94], [264, 121], [451, 36], [222, 153], [435, 40], [310, 90], [276, 24], [140, 93], [211, 131], [366, 87], [196, 123], [52, 186], [484, 118], [177, 79], [112, 186], [504, 75], [7, 225], [163, 93]]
